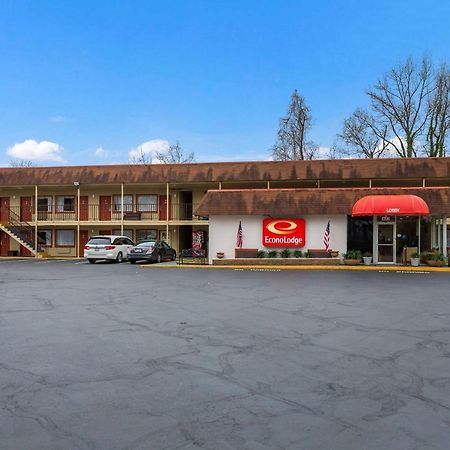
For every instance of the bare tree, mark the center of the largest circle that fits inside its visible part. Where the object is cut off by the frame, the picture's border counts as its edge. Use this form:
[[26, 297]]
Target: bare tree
[[400, 101], [439, 114], [141, 158], [363, 137], [175, 155], [292, 143], [21, 163]]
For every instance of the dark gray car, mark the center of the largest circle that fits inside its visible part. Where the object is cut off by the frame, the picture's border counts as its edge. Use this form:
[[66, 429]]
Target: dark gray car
[[151, 251]]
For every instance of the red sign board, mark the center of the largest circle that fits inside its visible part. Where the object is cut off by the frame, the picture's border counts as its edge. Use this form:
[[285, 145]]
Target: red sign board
[[283, 233]]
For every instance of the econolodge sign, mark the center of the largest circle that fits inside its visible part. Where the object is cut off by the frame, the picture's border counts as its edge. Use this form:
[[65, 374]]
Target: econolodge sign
[[283, 233]]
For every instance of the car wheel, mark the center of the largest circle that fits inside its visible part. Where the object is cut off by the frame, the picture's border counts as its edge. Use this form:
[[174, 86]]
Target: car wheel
[[174, 256], [119, 258], [158, 258], [92, 261], [132, 261]]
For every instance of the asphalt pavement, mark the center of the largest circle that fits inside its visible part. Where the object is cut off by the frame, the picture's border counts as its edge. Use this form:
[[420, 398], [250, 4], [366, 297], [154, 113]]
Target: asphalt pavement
[[111, 356]]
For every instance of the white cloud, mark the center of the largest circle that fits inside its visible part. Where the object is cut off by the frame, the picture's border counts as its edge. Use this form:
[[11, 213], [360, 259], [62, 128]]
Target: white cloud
[[101, 152], [150, 149], [323, 153], [36, 151], [57, 119]]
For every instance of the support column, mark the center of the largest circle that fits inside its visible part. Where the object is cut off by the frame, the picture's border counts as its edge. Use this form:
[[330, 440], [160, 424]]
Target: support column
[[444, 235], [78, 221], [370, 183], [220, 185], [167, 212], [268, 184], [121, 209], [418, 234], [36, 220]]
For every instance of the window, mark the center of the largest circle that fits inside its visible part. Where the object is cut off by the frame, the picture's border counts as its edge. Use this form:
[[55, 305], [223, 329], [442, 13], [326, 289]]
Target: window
[[99, 241], [127, 233], [147, 203], [127, 203], [146, 235], [65, 238], [44, 204], [65, 204], [45, 238]]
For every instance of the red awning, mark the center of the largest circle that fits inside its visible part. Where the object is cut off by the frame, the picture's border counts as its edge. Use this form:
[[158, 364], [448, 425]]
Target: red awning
[[390, 205]]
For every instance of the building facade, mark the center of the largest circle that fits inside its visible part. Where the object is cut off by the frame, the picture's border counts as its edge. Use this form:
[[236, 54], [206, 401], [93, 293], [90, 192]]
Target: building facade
[[54, 210]]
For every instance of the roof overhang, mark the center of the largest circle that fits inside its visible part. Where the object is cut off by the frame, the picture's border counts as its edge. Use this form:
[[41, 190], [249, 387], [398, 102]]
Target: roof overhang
[[323, 201], [392, 205]]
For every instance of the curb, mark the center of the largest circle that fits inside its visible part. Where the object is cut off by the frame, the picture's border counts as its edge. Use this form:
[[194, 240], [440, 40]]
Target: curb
[[420, 269]]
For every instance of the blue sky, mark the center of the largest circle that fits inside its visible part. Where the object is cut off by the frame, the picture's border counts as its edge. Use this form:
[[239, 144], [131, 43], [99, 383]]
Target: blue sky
[[85, 82]]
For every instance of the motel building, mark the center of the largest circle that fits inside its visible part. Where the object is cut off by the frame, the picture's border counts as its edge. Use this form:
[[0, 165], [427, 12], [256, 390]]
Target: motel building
[[389, 207]]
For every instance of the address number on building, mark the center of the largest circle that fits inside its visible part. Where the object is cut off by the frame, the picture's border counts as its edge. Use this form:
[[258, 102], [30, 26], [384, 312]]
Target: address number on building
[[283, 233]]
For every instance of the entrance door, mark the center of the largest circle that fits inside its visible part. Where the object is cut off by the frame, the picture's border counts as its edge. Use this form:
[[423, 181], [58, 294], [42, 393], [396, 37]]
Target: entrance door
[[4, 210], [105, 207], [386, 243], [25, 209], [84, 237], [4, 243], [163, 208], [84, 207]]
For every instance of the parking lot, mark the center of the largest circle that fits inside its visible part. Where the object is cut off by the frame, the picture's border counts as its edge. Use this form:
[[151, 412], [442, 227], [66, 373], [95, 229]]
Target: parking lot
[[115, 356]]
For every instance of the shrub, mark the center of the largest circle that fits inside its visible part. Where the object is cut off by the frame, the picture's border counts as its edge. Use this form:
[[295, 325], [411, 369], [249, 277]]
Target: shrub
[[261, 254], [367, 255], [426, 256], [272, 254], [437, 257], [353, 254], [286, 253], [415, 255], [298, 254]]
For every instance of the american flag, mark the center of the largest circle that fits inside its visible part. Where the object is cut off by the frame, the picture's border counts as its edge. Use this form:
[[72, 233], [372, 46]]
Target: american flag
[[326, 237], [239, 237]]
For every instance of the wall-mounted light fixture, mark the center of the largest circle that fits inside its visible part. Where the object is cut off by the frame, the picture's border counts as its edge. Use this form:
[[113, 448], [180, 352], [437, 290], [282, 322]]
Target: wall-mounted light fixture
[[76, 184]]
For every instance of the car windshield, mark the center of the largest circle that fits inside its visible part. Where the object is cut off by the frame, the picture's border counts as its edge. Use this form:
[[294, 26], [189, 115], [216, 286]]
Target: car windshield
[[100, 241], [146, 244]]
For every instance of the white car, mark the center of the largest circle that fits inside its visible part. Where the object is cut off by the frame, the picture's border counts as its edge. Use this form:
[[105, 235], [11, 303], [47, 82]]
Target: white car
[[114, 248]]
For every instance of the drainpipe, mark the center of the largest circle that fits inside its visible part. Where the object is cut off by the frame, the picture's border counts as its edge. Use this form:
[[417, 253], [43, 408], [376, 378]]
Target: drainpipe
[[167, 213], [121, 209], [36, 221]]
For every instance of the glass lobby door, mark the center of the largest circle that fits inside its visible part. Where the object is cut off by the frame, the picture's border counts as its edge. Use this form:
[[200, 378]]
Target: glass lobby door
[[386, 243]]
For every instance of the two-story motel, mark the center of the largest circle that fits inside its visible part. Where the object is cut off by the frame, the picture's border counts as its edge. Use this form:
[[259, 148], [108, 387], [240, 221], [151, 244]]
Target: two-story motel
[[381, 205]]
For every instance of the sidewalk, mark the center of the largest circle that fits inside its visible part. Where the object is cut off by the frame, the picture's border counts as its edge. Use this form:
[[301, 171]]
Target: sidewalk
[[361, 267]]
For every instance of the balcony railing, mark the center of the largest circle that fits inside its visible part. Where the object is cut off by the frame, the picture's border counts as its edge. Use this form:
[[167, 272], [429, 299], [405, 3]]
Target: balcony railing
[[131, 212]]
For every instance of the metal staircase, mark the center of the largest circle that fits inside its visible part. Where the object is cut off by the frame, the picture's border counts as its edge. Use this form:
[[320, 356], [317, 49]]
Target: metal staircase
[[21, 231]]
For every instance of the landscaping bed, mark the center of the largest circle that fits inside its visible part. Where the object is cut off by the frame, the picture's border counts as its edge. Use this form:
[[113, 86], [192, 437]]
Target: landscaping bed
[[277, 262]]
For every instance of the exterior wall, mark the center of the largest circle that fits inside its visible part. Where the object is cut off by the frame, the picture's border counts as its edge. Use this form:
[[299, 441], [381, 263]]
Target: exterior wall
[[223, 230]]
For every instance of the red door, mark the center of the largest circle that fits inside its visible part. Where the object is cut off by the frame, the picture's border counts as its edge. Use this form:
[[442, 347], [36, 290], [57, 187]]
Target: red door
[[163, 208], [4, 243], [4, 209], [25, 209], [84, 208], [84, 237], [105, 207]]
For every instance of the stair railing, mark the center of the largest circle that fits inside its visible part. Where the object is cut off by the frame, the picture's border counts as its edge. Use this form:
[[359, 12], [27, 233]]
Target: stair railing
[[22, 229]]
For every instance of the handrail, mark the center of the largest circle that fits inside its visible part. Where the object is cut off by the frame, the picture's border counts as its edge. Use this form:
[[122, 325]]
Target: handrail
[[22, 228]]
